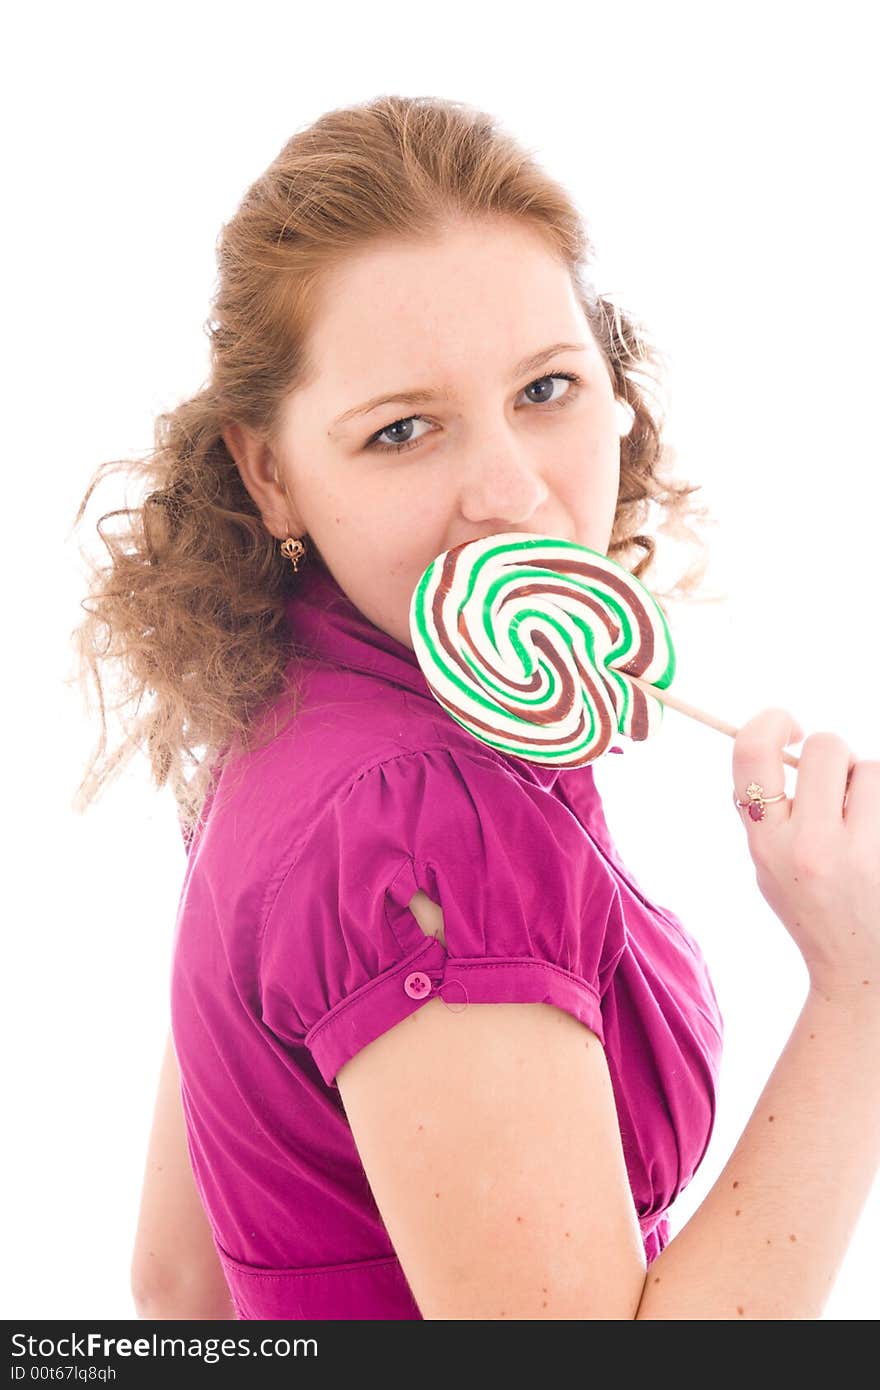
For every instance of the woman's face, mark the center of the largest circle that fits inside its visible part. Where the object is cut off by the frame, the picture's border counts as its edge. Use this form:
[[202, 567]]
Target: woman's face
[[502, 446]]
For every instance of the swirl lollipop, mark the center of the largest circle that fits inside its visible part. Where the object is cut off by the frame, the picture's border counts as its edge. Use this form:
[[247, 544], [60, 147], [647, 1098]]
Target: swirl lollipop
[[544, 648]]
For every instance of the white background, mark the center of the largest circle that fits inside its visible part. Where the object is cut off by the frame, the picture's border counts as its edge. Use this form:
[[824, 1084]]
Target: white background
[[724, 157]]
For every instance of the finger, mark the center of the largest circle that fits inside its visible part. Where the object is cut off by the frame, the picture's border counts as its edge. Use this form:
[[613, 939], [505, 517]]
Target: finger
[[862, 802], [757, 762], [823, 777]]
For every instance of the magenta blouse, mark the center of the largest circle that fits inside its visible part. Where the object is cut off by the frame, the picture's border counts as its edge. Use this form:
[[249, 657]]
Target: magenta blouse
[[294, 947]]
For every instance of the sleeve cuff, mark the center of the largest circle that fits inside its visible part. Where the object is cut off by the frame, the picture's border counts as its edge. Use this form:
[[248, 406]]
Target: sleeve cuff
[[381, 1003]]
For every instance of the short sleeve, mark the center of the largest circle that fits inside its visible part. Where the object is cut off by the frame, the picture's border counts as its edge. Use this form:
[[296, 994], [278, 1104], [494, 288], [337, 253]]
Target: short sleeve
[[531, 910]]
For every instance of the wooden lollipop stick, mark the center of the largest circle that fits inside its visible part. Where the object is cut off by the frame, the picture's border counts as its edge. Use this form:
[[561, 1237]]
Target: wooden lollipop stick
[[704, 718]]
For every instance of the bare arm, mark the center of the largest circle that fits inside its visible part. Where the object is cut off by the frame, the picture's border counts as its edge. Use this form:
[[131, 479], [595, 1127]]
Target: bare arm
[[175, 1269], [768, 1240], [491, 1144], [490, 1140], [513, 1198]]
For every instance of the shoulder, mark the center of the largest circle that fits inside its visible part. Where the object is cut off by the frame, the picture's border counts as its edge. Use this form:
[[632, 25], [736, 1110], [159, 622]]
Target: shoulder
[[370, 769], [427, 799], [350, 728], [489, 848], [431, 867]]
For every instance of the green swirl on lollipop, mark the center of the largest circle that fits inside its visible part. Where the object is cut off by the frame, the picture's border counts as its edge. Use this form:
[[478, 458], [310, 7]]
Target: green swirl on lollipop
[[527, 642]]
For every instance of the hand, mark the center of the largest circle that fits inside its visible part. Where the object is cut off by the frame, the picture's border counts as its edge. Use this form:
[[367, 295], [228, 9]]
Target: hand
[[817, 855]]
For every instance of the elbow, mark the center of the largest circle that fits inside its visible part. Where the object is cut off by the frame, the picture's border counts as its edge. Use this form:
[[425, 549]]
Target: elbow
[[145, 1290], [160, 1293], [153, 1287]]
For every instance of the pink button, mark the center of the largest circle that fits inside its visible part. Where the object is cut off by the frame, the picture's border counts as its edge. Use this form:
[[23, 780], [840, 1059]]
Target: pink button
[[417, 985]]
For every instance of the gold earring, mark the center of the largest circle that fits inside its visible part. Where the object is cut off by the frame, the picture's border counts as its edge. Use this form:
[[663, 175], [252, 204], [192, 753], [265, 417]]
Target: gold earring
[[293, 549]]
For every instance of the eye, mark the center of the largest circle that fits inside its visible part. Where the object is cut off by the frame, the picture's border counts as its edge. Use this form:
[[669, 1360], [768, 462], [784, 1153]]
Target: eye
[[401, 446]]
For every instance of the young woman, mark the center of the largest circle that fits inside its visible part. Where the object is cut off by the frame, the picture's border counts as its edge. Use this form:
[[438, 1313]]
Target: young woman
[[433, 1053]]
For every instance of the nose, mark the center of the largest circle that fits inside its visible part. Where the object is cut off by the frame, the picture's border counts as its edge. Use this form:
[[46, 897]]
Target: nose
[[500, 483]]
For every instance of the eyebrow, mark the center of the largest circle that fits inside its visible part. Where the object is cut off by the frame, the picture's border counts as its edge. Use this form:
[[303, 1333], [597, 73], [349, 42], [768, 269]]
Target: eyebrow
[[420, 395]]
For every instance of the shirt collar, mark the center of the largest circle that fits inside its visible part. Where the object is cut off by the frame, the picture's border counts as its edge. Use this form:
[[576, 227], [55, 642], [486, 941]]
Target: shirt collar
[[326, 626]]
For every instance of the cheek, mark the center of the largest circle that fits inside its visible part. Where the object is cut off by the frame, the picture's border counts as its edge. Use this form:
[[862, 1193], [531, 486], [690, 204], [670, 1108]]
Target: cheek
[[414, 500], [397, 512], [346, 498]]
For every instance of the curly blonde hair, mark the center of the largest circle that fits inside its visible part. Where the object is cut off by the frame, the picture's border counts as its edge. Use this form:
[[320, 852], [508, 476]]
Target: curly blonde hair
[[191, 607]]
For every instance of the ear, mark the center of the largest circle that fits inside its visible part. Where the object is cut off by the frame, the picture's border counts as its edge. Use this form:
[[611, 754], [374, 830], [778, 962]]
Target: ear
[[260, 471]]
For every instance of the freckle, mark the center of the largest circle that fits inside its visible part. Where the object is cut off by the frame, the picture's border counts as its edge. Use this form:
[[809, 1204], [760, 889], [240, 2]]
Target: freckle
[[562, 1204], [852, 933], [657, 1280], [792, 1237], [420, 1126], [769, 1241], [736, 1184], [772, 1118], [866, 982], [543, 1291], [519, 1218], [544, 1304], [436, 1194], [739, 1310], [501, 1314], [567, 1234], [812, 1035], [736, 1213]]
